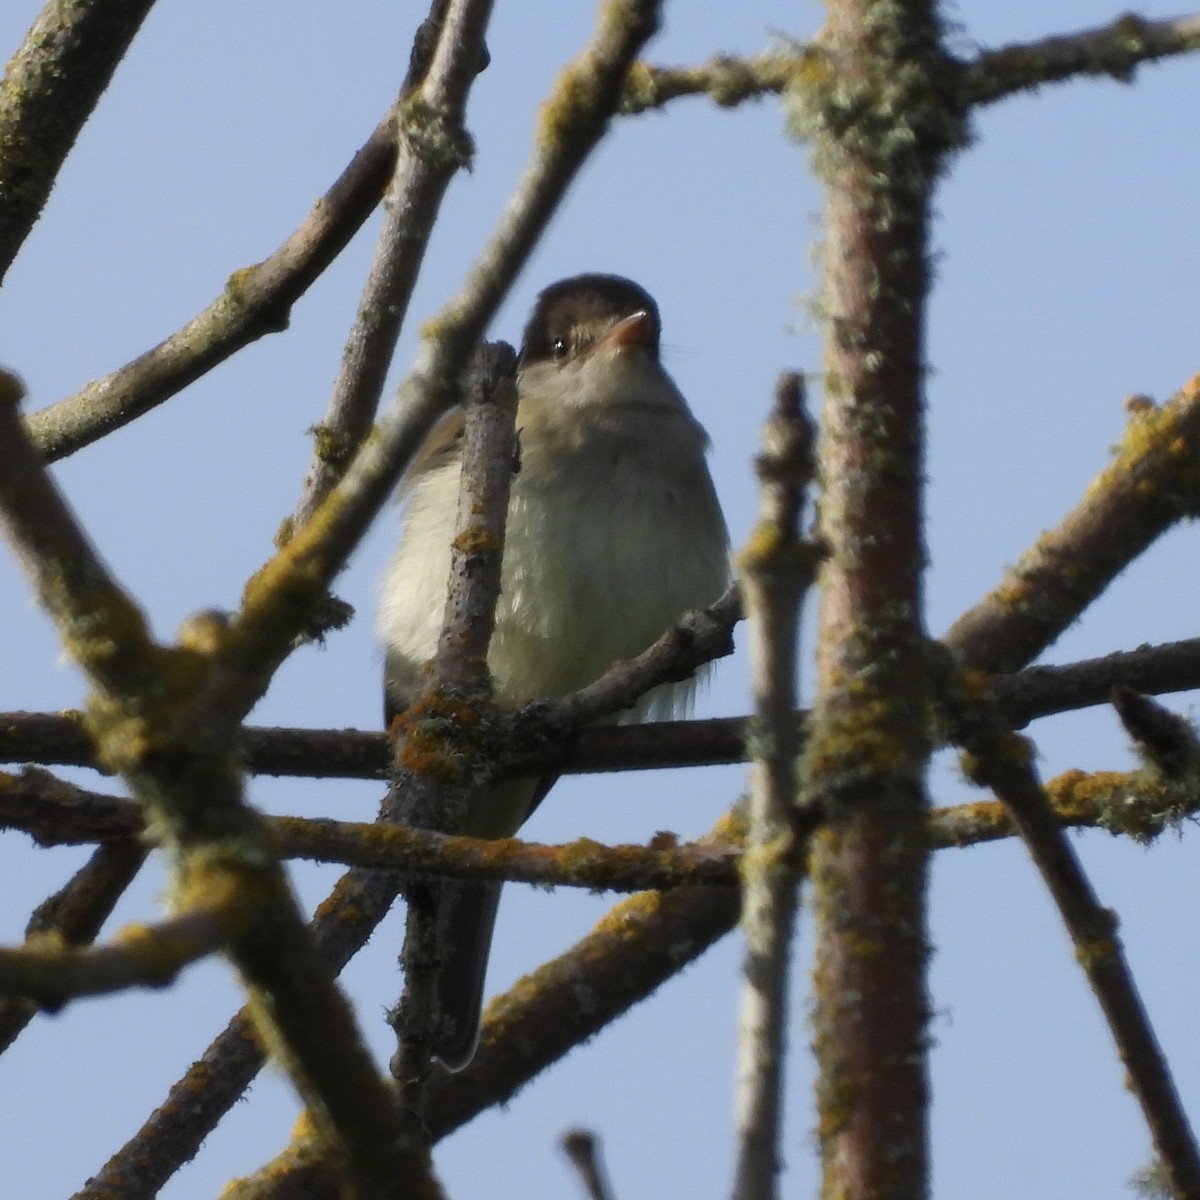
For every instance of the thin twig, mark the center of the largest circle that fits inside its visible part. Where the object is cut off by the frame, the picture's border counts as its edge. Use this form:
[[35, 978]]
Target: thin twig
[[702, 635], [1001, 760], [145, 956], [432, 146], [1112, 51], [582, 1147], [777, 567], [727, 79], [74, 915]]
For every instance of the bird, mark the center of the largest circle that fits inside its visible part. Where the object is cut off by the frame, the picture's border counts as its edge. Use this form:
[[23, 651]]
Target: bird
[[614, 531]]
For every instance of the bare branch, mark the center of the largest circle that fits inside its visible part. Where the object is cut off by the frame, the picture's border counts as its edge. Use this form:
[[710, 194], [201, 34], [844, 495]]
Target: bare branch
[[48, 90], [1113, 51], [882, 123], [256, 301], [286, 590], [777, 567], [74, 915], [458, 678], [433, 145], [1152, 482], [727, 79], [1165, 741], [101, 628], [146, 956], [999, 759], [1023, 696], [701, 636]]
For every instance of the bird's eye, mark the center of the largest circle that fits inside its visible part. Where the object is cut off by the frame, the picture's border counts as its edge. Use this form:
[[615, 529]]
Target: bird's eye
[[559, 347]]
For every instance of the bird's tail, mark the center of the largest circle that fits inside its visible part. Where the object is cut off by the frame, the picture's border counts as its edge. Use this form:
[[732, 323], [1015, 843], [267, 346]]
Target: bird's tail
[[466, 915]]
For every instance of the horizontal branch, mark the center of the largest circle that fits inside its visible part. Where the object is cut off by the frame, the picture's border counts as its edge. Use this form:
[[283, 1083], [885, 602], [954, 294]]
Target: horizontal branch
[[55, 813], [1023, 696], [141, 956], [726, 79], [1113, 51]]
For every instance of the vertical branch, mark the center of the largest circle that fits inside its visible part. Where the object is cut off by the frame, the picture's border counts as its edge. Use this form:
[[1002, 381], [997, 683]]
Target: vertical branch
[[880, 132], [458, 677], [432, 146], [776, 568]]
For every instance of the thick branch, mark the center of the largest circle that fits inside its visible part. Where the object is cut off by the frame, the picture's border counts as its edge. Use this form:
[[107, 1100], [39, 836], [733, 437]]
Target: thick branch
[[882, 120], [436, 798]]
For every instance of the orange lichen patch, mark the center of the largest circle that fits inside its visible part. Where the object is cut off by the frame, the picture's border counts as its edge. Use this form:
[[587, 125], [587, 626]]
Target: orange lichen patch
[[1078, 796], [476, 540], [433, 735]]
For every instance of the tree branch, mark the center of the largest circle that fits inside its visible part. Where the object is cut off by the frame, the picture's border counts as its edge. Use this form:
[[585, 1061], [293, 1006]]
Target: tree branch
[[1152, 482], [728, 80], [146, 956], [433, 145], [1114, 51], [47, 92], [998, 759], [777, 567], [882, 121], [435, 797], [74, 915], [256, 301]]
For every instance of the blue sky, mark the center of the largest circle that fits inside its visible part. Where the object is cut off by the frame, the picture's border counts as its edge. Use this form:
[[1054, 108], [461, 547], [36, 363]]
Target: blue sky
[[1068, 277]]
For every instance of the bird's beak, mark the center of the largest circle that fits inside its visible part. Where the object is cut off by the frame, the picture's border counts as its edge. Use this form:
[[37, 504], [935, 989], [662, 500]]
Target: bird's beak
[[629, 331]]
